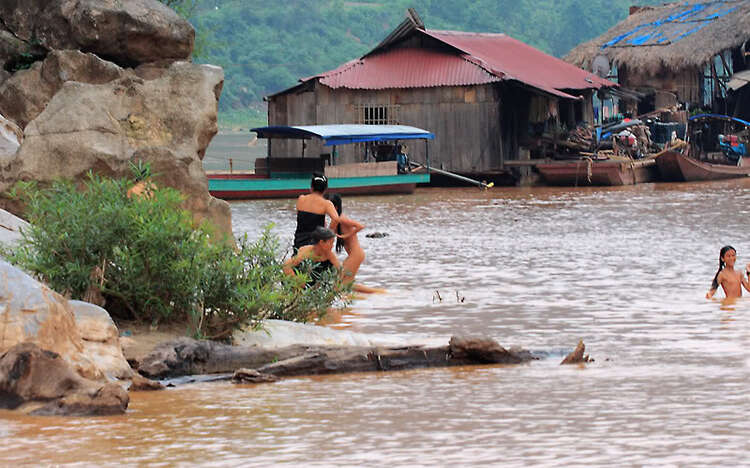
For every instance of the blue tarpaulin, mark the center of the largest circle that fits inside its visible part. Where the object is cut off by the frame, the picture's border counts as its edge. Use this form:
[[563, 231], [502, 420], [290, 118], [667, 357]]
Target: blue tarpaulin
[[687, 20], [340, 134]]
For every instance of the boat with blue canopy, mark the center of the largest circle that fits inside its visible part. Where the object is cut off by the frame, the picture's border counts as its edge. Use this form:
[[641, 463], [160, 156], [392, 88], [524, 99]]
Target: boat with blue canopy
[[289, 176]]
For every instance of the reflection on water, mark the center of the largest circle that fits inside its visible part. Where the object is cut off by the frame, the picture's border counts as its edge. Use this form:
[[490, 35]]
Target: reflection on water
[[624, 269]]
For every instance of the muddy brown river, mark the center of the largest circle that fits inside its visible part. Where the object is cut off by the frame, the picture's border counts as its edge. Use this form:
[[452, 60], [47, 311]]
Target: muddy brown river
[[624, 269]]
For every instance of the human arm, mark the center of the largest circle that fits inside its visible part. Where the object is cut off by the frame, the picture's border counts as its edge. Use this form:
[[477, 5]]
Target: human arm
[[710, 293], [746, 280], [354, 225], [292, 262]]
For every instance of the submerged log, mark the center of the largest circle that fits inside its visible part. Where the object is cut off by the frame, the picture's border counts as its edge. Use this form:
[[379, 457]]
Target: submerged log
[[186, 357]]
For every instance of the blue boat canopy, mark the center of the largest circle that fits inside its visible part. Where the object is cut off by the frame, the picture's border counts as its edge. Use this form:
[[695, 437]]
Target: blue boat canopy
[[341, 134]]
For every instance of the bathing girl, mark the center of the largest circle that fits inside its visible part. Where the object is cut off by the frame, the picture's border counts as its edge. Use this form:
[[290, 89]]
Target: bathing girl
[[347, 230], [312, 210], [731, 280], [320, 252]]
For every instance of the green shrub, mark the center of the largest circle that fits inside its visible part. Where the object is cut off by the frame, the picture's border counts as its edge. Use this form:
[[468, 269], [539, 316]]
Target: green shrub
[[151, 264]]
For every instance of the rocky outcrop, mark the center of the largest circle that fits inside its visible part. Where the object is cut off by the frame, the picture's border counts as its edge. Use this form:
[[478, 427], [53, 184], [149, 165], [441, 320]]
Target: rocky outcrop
[[32, 312], [141, 384], [26, 93], [10, 229], [101, 340], [167, 121], [11, 138], [125, 32], [111, 85], [40, 382], [15, 53]]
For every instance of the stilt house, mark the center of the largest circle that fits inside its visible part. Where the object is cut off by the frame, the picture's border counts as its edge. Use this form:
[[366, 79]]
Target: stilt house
[[695, 53], [484, 96]]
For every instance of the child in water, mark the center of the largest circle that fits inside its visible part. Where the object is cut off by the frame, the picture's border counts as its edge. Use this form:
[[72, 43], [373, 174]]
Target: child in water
[[347, 230], [731, 280]]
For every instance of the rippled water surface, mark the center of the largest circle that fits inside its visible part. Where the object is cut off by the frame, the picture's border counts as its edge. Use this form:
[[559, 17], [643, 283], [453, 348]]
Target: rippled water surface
[[623, 269]]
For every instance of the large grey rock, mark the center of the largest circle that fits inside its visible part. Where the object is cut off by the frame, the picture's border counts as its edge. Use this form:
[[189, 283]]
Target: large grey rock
[[32, 312], [42, 383], [10, 229], [15, 53], [11, 138], [167, 120], [127, 32], [101, 339], [26, 93]]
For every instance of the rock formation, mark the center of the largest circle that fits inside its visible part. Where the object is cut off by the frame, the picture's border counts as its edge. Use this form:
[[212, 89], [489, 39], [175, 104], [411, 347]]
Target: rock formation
[[98, 84], [125, 32], [31, 312], [42, 383]]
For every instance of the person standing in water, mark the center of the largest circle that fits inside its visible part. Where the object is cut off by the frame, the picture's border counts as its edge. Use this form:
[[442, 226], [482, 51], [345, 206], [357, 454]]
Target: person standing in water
[[320, 252], [346, 231], [312, 210], [731, 280]]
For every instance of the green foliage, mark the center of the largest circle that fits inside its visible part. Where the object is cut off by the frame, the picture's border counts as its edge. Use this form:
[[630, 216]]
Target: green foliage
[[151, 264], [265, 47]]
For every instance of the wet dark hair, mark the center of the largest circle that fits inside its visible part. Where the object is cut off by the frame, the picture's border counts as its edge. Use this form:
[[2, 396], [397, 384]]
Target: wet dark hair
[[335, 198], [319, 182], [322, 233], [725, 249]]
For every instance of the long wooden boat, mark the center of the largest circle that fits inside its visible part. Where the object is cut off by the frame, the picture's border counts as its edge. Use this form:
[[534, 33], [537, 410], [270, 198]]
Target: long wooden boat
[[586, 172], [252, 186], [677, 167], [290, 177]]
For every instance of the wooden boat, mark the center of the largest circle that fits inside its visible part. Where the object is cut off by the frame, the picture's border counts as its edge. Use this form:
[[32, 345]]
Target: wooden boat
[[290, 177], [701, 159], [677, 167], [586, 172]]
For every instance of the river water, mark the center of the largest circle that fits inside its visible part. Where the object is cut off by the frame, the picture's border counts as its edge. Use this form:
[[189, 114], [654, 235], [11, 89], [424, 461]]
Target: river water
[[624, 269]]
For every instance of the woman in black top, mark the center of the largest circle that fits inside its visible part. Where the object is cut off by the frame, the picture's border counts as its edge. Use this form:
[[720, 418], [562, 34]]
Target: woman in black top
[[312, 210]]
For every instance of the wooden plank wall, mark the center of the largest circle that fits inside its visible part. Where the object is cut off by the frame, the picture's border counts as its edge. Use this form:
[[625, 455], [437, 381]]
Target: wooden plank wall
[[465, 120]]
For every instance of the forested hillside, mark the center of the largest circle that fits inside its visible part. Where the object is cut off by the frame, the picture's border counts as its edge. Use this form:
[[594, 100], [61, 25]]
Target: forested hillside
[[265, 47]]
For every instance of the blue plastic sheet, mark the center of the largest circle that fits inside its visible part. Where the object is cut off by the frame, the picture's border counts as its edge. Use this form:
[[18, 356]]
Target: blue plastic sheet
[[674, 27]]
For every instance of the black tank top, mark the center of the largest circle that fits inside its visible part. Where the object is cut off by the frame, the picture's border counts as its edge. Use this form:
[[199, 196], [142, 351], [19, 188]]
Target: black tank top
[[306, 224]]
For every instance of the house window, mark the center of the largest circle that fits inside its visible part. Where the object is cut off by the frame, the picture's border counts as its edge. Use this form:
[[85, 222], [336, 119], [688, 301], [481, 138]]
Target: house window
[[371, 114]]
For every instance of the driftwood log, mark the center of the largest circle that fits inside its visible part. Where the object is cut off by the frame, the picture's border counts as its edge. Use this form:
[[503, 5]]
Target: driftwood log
[[189, 357]]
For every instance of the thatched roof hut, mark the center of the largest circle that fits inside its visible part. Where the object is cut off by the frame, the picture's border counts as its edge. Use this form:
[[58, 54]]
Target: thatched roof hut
[[680, 35]]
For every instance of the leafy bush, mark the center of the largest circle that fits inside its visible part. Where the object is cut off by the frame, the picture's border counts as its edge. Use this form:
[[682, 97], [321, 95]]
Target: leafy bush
[[146, 259]]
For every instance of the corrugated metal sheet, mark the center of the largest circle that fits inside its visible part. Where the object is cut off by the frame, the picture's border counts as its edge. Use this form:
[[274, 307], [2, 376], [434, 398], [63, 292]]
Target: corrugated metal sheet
[[407, 68], [518, 61], [480, 58]]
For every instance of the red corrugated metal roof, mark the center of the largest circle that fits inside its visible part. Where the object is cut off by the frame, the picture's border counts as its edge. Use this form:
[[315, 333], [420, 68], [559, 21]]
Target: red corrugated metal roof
[[407, 68], [520, 61], [481, 58]]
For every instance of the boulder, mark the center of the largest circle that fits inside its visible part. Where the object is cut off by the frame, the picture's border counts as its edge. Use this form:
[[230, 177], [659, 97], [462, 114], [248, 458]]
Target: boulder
[[125, 32], [10, 229], [167, 121], [101, 340], [15, 53], [26, 93], [42, 383], [140, 383], [11, 138], [32, 312]]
